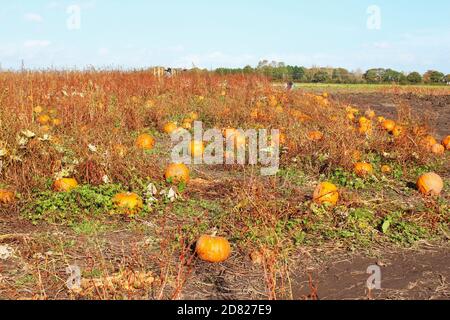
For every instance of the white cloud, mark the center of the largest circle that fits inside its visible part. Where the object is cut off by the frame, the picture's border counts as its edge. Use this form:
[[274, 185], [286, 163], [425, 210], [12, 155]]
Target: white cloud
[[36, 43], [33, 17]]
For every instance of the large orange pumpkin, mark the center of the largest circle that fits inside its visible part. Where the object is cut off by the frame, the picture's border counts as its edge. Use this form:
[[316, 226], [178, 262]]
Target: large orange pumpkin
[[388, 125], [65, 185], [129, 203], [213, 249], [7, 197], [430, 184], [326, 193], [145, 142], [446, 143], [177, 172], [363, 169]]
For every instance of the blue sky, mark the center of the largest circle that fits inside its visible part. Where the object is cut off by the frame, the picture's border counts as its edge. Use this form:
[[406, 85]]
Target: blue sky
[[413, 35]]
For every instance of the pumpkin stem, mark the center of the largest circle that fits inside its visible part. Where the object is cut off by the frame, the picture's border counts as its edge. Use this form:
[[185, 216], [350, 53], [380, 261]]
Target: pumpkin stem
[[214, 232]]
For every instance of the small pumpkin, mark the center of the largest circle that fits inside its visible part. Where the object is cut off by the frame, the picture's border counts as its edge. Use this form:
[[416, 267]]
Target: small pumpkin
[[351, 116], [65, 185], [397, 131], [363, 169], [446, 143], [213, 249], [386, 169], [170, 127], [38, 109], [326, 193], [315, 135], [56, 122], [43, 119], [428, 142], [438, 149], [430, 184], [381, 120], [194, 116], [129, 203], [388, 125], [145, 142], [177, 172], [7, 197], [364, 121], [187, 124]]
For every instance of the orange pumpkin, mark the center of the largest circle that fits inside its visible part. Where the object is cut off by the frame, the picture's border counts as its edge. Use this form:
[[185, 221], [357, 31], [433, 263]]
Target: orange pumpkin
[[363, 169], [194, 116], [38, 109], [56, 122], [438, 149], [430, 184], [43, 119], [388, 125], [145, 142], [213, 249], [170, 127], [446, 143], [428, 142], [128, 203], [397, 131], [351, 116], [365, 128], [65, 185], [326, 193], [187, 124], [315, 135], [7, 197], [364, 121], [196, 149], [177, 172], [386, 169]]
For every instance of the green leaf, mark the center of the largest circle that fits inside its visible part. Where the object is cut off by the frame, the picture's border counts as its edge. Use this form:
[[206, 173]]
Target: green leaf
[[386, 225]]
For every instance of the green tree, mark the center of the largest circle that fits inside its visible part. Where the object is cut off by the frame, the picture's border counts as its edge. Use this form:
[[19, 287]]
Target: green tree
[[341, 75], [414, 78], [433, 77], [374, 75], [321, 76]]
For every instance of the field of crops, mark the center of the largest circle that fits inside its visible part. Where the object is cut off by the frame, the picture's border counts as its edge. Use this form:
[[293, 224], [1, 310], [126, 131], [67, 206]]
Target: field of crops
[[92, 207]]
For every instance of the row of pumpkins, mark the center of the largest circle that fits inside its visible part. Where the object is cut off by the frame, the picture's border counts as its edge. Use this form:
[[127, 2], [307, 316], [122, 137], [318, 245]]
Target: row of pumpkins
[[215, 249]]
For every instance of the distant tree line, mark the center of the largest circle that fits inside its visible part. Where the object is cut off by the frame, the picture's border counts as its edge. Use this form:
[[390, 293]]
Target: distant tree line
[[279, 71]]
